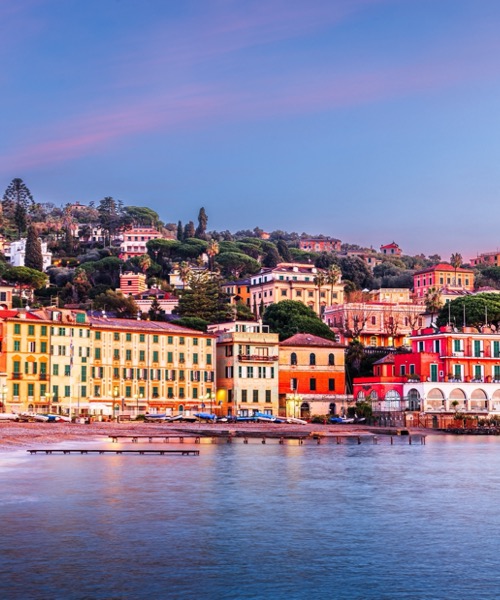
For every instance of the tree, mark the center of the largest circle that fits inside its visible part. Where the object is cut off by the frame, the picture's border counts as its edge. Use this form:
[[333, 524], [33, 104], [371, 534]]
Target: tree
[[289, 317], [212, 250], [33, 256], [356, 270], [180, 232], [235, 264], [111, 215], [156, 312], [204, 298], [115, 302], [140, 215], [272, 258], [433, 301], [184, 273], [189, 231], [25, 277], [474, 311], [17, 199], [456, 263], [244, 312], [200, 232], [284, 251], [81, 285]]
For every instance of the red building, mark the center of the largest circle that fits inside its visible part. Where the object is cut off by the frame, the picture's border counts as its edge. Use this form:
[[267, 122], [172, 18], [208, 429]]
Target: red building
[[391, 249]]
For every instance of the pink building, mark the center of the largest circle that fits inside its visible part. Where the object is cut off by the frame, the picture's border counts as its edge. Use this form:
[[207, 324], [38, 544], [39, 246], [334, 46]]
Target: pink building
[[391, 249], [444, 277]]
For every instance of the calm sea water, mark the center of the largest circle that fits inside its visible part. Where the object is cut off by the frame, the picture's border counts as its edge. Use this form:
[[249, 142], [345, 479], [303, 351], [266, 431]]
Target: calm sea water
[[255, 521]]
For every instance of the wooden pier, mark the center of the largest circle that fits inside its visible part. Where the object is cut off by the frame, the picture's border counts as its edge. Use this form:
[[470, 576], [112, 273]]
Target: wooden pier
[[160, 452]]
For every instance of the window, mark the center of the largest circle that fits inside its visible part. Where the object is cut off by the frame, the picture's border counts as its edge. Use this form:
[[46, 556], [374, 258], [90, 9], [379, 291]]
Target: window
[[155, 339], [250, 372], [116, 373], [181, 357], [169, 357], [312, 384], [31, 389], [209, 359], [67, 391], [255, 395], [17, 346], [331, 385], [17, 328], [142, 355], [293, 383], [244, 395], [97, 353], [97, 335], [182, 340], [55, 369], [44, 330], [43, 347], [195, 358], [116, 354], [195, 341], [31, 330], [170, 339], [402, 370], [312, 359], [116, 337], [268, 396], [155, 356], [293, 358], [142, 337], [67, 370], [331, 360], [128, 354], [209, 342], [128, 337]]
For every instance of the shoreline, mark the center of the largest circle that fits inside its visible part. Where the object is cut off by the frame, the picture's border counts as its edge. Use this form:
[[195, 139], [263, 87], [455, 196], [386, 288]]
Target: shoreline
[[15, 436]]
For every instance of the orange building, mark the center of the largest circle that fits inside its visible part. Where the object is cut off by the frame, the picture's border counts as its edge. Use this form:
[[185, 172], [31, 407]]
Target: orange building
[[311, 376], [132, 283], [323, 244], [238, 291], [444, 277]]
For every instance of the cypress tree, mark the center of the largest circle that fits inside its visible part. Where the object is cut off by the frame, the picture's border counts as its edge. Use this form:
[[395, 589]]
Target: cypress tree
[[33, 258]]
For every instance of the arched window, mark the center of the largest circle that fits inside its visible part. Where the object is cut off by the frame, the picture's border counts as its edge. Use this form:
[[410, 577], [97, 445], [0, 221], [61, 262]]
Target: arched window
[[312, 359], [331, 359], [293, 358]]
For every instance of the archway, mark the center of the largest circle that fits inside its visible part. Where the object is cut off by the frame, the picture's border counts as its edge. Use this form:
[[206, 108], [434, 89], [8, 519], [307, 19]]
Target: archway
[[305, 410], [435, 399]]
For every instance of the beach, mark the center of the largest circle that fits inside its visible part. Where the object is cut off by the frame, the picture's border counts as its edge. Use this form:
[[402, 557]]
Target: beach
[[15, 435]]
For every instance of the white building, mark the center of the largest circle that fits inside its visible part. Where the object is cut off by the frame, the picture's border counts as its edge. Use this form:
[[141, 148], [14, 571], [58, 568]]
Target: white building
[[17, 254]]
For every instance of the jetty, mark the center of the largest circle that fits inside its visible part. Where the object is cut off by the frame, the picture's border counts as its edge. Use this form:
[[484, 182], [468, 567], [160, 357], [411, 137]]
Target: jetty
[[160, 451]]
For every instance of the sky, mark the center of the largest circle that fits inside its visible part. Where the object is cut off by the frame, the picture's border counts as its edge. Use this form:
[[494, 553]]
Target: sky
[[365, 120]]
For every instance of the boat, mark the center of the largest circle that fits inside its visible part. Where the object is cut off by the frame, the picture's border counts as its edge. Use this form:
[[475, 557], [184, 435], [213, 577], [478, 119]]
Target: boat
[[343, 420], [296, 421], [185, 418], [9, 417], [206, 416], [50, 418], [150, 418]]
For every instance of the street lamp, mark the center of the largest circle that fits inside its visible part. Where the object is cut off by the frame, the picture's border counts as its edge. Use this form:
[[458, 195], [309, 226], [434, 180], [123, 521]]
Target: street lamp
[[116, 392], [210, 395], [4, 393], [48, 397]]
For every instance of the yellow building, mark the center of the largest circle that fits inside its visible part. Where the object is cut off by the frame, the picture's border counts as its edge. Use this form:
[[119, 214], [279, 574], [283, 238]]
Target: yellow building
[[150, 366], [247, 368], [295, 281], [62, 361]]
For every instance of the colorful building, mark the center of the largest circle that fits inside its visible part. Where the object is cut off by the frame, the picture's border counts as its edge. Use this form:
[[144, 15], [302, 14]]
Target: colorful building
[[491, 259], [247, 368], [448, 371], [311, 376], [294, 281], [320, 244], [377, 324], [443, 277], [135, 240], [238, 291], [391, 249]]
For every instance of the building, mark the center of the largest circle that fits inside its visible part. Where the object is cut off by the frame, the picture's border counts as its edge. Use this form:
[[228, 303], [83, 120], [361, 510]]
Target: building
[[135, 240], [132, 283], [449, 371], [166, 301], [369, 257], [247, 368], [238, 291], [391, 295], [391, 249], [320, 244], [6, 292], [294, 281], [377, 324], [491, 259], [311, 376], [443, 276], [63, 361], [16, 253]]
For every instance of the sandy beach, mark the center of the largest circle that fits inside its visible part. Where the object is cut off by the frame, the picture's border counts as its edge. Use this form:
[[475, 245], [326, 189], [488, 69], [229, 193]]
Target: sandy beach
[[28, 435]]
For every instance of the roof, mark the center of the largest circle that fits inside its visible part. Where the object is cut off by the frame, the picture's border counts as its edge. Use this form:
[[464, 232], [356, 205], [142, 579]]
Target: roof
[[387, 360], [443, 267], [149, 326], [307, 339], [391, 245]]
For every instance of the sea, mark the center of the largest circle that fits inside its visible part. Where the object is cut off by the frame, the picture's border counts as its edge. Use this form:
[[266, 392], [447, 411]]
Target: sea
[[255, 521]]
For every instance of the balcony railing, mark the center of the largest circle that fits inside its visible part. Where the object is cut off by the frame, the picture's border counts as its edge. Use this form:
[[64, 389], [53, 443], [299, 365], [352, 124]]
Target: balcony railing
[[257, 357], [17, 375], [43, 376]]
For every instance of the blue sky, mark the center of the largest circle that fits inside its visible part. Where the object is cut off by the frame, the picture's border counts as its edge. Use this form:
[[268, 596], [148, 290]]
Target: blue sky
[[366, 120]]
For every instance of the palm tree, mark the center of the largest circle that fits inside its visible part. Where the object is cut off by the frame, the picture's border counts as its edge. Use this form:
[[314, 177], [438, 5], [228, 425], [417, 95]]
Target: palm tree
[[333, 275], [212, 250], [433, 301], [456, 262], [319, 282], [184, 273]]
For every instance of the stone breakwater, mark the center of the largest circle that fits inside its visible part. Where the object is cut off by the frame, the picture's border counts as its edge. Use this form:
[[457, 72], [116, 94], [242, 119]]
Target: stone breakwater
[[21, 435]]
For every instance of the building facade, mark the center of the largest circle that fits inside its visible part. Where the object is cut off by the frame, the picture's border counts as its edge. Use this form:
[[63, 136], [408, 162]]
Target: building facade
[[134, 240], [247, 368], [443, 277], [322, 244], [311, 376], [294, 281]]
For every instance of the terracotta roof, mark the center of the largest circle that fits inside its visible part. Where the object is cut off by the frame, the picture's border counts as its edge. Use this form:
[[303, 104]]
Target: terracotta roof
[[443, 267], [387, 360], [151, 326], [307, 339]]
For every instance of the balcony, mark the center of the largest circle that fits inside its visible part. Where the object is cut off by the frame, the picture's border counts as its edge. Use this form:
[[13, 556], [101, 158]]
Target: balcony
[[257, 358], [43, 377], [17, 375]]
